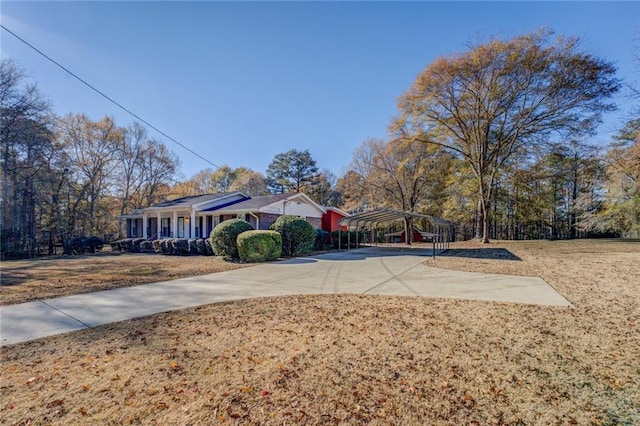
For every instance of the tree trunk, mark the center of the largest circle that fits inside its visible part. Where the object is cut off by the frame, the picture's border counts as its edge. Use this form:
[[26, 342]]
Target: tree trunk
[[485, 220]]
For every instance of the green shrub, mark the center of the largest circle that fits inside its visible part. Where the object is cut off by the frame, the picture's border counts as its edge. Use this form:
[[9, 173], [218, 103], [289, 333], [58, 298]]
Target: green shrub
[[259, 246], [322, 239], [146, 246], [208, 250], [347, 237], [193, 248], [224, 236], [180, 246], [297, 234], [200, 247], [167, 247]]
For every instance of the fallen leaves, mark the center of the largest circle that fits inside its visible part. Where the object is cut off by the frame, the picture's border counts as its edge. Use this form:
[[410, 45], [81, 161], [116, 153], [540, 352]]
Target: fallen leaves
[[343, 359]]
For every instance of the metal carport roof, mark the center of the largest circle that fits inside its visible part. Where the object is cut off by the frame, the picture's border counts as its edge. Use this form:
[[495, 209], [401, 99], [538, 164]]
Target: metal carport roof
[[380, 215], [372, 218]]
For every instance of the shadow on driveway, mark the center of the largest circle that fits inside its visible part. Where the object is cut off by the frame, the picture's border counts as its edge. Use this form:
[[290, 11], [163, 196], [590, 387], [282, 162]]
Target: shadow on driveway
[[481, 253], [371, 252]]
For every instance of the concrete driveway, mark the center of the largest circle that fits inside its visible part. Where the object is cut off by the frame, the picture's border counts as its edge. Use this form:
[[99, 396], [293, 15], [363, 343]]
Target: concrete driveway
[[383, 271]]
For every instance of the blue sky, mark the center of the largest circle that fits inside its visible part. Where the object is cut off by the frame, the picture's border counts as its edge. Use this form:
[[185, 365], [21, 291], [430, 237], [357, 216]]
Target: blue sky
[[240, 82]]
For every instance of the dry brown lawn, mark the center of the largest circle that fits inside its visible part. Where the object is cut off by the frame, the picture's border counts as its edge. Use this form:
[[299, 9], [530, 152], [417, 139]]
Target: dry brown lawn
[[349, 359], [27, 280]]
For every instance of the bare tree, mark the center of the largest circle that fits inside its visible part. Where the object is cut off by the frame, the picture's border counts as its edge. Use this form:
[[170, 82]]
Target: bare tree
[[505, 96]]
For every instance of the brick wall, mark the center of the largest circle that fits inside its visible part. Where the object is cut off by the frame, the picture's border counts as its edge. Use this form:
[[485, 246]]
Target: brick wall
[[267, 219], [316, 222]]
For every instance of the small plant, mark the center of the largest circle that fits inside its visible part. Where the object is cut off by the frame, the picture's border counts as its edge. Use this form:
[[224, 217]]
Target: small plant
[[259, 246], [146, 246], [167, 246], [208, 250], [180, 246], [224, 236], [201, 248], [298, 236], [192, 248]]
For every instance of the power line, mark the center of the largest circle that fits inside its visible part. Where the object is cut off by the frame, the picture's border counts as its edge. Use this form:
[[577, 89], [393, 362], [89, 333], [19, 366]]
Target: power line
[[107, 97]]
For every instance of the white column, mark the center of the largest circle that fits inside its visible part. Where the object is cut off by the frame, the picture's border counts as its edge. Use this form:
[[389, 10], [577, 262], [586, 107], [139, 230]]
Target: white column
[[174, 225], [192, 233], [158, 226], [145, 223]]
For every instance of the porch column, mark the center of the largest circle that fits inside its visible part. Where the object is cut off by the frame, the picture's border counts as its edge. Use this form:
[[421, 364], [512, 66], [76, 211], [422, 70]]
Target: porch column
[[145, 223], [192, 233], [158, 226], [174, 225]]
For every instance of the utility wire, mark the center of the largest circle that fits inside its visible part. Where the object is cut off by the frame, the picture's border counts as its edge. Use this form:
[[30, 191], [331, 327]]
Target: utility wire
[[107, 97]]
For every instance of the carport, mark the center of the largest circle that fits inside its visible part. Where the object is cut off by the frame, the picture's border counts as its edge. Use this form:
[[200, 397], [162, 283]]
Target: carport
[[440, 234]]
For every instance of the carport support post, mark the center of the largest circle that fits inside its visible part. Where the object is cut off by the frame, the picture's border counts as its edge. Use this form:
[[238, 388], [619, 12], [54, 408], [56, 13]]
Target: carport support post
[[433, 240], [348, 238]]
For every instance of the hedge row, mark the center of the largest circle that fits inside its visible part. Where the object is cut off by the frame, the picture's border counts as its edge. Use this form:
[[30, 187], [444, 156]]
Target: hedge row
[[173, 246], [82, 245], [236, 239]]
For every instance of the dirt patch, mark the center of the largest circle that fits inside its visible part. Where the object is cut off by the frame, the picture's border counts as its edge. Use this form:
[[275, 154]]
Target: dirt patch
[[28, 280], [349, 359]]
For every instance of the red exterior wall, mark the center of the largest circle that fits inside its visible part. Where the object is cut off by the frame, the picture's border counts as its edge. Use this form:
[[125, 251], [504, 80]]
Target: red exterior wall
[[330, 221]]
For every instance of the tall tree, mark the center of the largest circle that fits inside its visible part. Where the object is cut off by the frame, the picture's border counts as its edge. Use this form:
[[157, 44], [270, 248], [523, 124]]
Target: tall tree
[[404, 174], [621, 211], [291, 171], [505, 96], [250, 182], [323, 189], [26, 145], [353, 193], [92, 147]]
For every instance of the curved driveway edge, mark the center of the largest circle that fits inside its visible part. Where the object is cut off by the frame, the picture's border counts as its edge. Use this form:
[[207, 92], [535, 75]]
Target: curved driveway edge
[[383, 271]]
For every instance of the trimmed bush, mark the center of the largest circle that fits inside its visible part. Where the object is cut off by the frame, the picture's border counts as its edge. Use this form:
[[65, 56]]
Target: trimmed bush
[[224, 236], [157, 246], [192, 246], [167, 246], [180, 246], [146, 246], [297, 234], [259, 246], [200, 247], [208, 250]]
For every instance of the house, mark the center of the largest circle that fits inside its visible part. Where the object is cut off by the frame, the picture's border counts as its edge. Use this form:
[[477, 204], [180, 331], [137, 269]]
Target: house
[[196, 216], [331, 217]]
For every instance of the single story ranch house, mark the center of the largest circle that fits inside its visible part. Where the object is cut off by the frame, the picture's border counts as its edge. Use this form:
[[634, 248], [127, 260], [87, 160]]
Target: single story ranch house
[[196, 216]]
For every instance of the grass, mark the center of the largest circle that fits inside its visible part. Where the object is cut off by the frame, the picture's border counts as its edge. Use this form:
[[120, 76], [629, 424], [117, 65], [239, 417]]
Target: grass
[[352, 359], [28, 280]]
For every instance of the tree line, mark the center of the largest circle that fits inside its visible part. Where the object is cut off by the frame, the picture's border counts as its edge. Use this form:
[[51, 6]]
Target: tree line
[[67, 177], [492, 139]]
